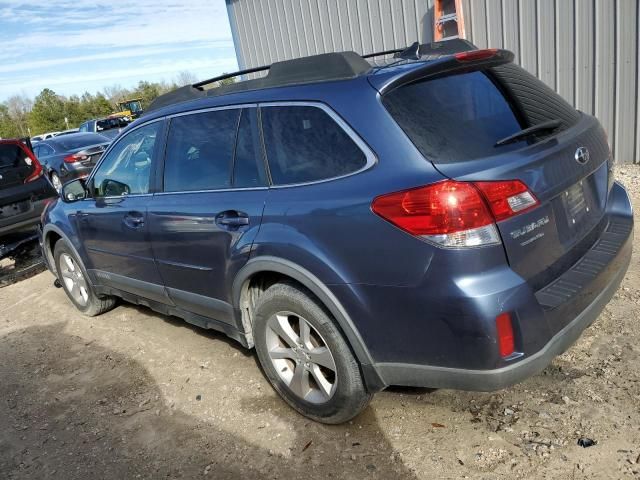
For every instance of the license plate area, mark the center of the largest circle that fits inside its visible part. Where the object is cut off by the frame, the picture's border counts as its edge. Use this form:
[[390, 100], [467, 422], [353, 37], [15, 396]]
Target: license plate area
[[575, 202], [14, 209], [577, 210]]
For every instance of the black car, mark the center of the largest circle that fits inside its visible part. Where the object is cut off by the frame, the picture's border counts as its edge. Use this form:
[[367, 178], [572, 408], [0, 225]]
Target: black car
[[24, 191], [109, 127], [70, 156]]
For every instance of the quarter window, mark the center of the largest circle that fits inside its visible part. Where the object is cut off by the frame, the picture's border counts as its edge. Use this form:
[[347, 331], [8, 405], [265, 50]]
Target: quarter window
[[200, 151], [127, 168], [305, 144]]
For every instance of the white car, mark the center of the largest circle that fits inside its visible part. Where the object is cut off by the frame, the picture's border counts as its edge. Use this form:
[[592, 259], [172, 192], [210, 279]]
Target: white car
[[44, 136]]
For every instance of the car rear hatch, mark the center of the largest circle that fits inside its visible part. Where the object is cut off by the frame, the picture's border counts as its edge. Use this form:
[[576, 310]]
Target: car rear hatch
[[88, 156], [15, 165], [460, 112], [21, 182]]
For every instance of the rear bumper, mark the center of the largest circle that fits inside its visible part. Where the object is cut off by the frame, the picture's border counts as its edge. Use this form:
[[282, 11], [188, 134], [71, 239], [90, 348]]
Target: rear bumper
[[23, 221], [34, 195], [450, 341], [496, 379]]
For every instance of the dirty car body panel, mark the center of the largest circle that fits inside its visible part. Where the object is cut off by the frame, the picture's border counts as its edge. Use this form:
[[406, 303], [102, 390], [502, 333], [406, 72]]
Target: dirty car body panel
[[415, 312]]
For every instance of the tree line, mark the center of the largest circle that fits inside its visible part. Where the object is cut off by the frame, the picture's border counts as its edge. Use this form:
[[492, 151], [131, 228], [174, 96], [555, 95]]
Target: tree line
[[21, 116]]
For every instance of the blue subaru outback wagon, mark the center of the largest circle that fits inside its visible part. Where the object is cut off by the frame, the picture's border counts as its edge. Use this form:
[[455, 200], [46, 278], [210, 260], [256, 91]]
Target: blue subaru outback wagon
[[440, 218]]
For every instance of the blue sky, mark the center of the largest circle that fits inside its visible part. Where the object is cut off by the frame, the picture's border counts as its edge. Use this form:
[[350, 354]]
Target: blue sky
[[73, 46]]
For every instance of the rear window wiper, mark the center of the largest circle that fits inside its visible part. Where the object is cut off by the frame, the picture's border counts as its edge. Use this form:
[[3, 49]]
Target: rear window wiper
[[547, 126]]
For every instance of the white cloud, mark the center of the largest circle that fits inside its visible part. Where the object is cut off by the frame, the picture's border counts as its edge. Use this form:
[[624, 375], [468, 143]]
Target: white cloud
[[41, 42]]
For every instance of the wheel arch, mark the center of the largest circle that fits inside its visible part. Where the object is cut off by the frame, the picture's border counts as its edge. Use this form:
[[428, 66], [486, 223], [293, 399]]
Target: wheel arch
[[285, 268], [51, 234]]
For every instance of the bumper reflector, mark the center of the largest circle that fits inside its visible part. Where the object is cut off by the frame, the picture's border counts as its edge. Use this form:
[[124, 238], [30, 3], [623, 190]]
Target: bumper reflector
[[504, 328]]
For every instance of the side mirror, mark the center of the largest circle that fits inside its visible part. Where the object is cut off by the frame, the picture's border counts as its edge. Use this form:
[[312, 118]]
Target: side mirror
[[113, 188], [73, 191]]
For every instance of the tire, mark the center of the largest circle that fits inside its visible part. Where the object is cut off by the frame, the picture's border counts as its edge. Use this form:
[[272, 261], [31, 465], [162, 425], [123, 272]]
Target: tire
[[332, 396], [87, 302]]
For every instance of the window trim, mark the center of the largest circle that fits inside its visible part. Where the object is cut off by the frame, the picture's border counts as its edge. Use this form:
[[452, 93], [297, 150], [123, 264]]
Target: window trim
[[154, 162], [370, 156]]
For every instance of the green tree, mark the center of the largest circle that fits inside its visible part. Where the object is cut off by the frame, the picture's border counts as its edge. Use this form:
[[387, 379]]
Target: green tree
[[148, 92], [47, 113], [8, 127]]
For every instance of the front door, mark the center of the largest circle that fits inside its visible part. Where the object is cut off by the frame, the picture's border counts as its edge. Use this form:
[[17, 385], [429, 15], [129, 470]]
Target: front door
[[113, 222], [204, 222]]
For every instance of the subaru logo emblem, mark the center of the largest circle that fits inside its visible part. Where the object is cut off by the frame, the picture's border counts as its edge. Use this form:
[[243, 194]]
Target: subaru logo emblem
[[582, 155]]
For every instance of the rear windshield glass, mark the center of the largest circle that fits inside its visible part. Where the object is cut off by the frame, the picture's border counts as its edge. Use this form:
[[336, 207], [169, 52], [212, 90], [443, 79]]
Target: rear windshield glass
[[11, 156], [78, 141], [454, 118]]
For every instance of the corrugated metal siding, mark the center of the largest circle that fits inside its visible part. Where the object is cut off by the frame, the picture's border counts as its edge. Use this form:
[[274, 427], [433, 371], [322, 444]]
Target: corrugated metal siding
[[586, 49]]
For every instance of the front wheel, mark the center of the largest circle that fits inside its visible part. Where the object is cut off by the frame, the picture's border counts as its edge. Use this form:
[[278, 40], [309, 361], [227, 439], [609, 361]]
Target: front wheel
[[76, 283], [305, 356]]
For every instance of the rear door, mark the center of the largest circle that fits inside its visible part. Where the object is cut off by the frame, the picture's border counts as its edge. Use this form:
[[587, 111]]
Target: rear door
[[456, 121], [204, 222]]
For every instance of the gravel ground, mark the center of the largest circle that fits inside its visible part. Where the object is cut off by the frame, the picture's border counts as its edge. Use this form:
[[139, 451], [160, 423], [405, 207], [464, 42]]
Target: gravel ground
[[133, 394]]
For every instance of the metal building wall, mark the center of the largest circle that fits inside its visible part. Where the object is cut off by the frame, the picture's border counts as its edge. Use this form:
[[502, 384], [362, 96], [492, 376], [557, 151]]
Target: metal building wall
[[586, 49]]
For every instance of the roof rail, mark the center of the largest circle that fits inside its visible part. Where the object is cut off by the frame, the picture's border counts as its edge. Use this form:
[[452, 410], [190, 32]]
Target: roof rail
[[315, 68], [203, 83]]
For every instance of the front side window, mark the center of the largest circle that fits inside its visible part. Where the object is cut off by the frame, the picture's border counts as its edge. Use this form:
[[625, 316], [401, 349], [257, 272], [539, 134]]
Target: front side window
[[126, 170], [199, 151], [304, 144]]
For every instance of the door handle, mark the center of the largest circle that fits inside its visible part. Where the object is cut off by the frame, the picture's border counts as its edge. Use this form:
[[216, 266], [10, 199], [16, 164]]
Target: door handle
[[133, 219], [232, 219]]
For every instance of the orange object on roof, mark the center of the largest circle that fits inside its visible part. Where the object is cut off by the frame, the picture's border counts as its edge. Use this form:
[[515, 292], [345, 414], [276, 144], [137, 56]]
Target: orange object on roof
[[448, 20]]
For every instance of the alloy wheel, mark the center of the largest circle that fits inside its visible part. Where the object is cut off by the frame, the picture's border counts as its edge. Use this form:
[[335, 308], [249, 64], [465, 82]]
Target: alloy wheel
[[55, 180], [74, 280], [301, 357]]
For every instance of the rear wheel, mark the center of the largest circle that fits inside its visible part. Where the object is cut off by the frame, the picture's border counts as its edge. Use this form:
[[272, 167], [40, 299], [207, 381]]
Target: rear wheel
[[76, 283], [305, 356], [55, 181]]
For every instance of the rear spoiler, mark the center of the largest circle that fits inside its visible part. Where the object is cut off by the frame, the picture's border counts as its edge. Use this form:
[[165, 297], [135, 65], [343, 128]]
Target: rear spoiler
[[460, 62]]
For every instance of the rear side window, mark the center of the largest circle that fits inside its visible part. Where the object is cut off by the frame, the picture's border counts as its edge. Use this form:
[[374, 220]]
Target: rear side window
[[199, 151], [304, 144], [454, 118]]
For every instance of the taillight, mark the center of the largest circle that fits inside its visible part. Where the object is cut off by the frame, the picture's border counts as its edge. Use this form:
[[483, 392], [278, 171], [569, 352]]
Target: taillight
[[455, 214], [76, 157], [476, 55], [507, 198], [504, 331], [33, 161]]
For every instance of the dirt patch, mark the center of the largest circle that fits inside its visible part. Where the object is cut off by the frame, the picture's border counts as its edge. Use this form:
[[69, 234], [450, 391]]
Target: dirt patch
[[133, 394]]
